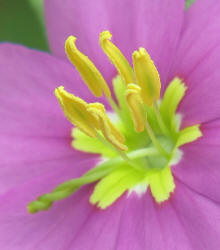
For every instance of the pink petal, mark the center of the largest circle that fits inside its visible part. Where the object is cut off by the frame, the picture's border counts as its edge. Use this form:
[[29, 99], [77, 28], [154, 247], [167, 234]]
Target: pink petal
[[45, 230], [199, 167], [198, 60], [199, 218], [187, 221], [29, 133], [147, 23], [35, 135]]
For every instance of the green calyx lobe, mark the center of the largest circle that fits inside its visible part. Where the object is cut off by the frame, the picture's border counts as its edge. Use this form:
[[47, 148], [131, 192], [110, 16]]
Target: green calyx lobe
[[147, 165]]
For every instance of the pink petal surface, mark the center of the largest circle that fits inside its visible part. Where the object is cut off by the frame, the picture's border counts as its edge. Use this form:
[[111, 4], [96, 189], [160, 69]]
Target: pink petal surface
[[35, 140], [148, 23], [35, 135], [199, 167], [187, 222], [199, 218], [20, 230], [197, 61]]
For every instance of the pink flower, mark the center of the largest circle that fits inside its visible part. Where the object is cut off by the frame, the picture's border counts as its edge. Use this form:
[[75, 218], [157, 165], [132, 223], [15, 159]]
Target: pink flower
[[35, 140]]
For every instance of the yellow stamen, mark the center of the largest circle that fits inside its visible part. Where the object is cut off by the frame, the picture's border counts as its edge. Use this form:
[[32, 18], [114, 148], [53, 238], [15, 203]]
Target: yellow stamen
[[135, 105], [75, 109], [116, 57], [147, 76], [88, 71], [110, 132]]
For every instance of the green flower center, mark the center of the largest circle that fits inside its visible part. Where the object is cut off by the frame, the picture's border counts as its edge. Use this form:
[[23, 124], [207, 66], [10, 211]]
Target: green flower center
[[146, 164], [138, 144]]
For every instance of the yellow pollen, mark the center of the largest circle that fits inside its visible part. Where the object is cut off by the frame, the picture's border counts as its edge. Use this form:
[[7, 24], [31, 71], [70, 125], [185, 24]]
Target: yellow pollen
[[88, 71], [110, 132], [116, 57], [75, 109], [147, 76], [89, 117], [135, 104]]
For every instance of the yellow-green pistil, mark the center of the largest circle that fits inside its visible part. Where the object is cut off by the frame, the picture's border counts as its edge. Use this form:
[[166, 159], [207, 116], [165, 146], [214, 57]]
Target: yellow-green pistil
[[140, 146]]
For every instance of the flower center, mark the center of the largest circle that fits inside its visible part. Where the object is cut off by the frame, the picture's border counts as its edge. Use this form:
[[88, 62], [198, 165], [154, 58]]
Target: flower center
[[139, 145]]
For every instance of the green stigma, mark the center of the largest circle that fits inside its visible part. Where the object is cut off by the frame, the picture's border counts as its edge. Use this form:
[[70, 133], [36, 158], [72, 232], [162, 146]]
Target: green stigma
[[139, 145]]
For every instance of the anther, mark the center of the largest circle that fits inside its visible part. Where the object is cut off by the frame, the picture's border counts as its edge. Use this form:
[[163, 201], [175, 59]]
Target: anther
[[136, 107], [88, 71], [147, 76], [75, 109], [116, 57], [110, 132]]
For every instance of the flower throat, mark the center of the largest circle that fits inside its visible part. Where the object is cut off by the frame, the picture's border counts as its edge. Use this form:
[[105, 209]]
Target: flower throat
[[139, 145]]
